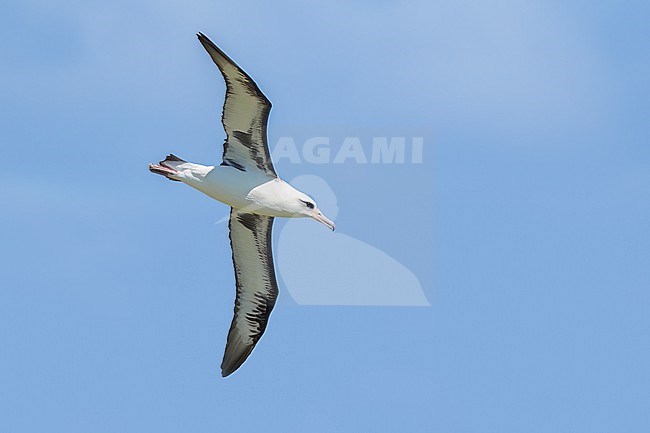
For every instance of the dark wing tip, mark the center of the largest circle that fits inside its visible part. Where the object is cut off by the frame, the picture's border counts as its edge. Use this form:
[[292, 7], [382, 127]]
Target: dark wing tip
[[206, 42], [221, 59], [227, 371], [236, 353]]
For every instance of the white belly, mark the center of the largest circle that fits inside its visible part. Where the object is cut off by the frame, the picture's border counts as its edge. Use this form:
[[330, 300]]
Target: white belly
[[250, 191]]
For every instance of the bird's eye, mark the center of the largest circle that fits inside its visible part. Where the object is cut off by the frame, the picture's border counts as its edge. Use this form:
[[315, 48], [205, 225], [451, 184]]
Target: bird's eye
[[310, 205]]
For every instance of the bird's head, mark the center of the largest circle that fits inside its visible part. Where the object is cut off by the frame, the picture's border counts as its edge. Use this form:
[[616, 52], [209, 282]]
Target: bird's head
[[306, 206], [286, 201]]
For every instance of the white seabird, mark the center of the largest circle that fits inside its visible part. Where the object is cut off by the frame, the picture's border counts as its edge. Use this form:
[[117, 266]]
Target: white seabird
[[246, 181]]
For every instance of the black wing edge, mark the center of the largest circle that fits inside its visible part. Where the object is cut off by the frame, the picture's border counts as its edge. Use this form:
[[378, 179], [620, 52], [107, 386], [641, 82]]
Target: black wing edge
[[253, 89], [236, 351], [209, 45]]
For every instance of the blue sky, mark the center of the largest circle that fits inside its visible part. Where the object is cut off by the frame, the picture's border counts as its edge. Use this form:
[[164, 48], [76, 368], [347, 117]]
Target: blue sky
[[526, 224]]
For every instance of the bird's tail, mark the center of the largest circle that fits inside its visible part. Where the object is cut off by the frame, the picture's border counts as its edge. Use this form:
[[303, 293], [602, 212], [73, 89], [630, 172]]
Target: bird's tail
[[168, 167]]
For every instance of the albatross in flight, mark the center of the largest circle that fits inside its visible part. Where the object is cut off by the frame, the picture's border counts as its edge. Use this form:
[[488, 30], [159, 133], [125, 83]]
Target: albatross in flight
[[246, 181]]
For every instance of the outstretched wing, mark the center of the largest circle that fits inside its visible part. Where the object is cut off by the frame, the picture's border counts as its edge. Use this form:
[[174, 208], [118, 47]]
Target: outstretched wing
[[257, 289], [245, 115]]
